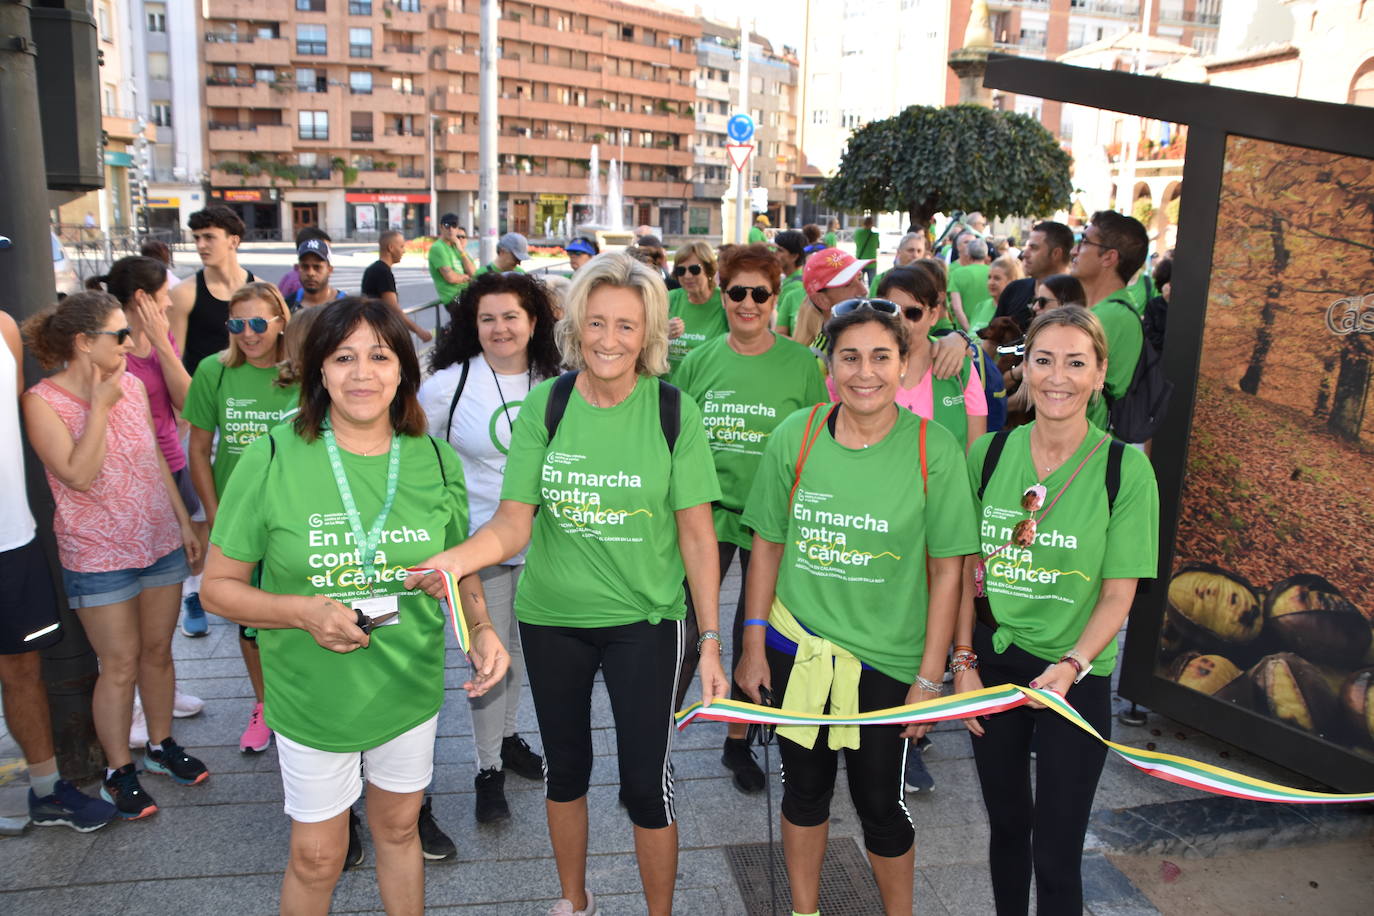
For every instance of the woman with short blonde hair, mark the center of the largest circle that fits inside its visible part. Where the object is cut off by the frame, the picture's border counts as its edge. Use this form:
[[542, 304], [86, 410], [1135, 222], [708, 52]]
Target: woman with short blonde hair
[[233, 357], [622, 271], [695, 311]]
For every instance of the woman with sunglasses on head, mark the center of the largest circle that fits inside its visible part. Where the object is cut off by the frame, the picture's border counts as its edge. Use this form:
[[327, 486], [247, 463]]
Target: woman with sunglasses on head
[[233, 395], [124, 536], [747, 381], [848, 502], [695, 314], [499, 346], [1058, 494]]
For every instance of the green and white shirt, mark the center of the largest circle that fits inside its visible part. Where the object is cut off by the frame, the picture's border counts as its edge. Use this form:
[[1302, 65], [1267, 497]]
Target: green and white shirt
[[241, 403]]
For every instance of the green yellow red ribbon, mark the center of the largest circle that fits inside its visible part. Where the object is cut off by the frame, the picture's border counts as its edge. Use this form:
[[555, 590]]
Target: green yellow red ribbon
[[1181, 770], [455, 607]]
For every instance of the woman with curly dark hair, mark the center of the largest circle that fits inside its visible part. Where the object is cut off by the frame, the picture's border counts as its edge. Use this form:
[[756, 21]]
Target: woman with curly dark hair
[[499, 345]]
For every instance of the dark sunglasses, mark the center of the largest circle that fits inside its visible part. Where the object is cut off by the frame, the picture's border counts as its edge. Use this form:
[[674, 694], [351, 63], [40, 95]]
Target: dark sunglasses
[[1040, 302], [692, 269], [120, 336], [882, 306], [259, 325], [761, 294]]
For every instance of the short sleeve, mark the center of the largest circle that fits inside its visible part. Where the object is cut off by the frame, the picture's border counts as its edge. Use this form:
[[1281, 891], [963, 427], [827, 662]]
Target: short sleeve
[[1124, 335], [974, 463], [240, 525], [766, 508], [693, 480], [951, 521], [385, 280], [455, 493], [528, 443], [1132, 550], [817, 382], [975, 399], [436, 392], [200, 409]]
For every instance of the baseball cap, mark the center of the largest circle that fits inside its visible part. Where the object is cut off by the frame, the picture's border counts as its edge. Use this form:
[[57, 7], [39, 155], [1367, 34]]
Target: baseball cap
[[448, 219], [579, 246], [830, 267], [515, 243], [318, 247]]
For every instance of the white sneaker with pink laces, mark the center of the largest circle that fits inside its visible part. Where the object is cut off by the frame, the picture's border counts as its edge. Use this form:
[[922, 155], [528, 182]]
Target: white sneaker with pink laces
[[257, 736]]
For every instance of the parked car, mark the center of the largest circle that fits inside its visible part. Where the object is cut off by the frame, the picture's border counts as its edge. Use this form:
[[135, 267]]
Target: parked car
[[64, 273]]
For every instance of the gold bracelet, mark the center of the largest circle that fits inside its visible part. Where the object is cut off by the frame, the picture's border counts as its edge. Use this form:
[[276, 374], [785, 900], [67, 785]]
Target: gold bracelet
[[475, 627]]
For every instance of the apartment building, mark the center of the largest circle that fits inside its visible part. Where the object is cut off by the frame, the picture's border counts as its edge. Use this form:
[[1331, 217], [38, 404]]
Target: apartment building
[[573, 74], [773, 104], [315, 114], [165, 36]]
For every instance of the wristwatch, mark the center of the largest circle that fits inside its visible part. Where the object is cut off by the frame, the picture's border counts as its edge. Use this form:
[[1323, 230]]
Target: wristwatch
[[1080, 664]]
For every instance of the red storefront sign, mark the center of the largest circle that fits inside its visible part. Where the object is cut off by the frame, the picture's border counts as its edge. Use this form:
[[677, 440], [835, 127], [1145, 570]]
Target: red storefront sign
[[398, 198]]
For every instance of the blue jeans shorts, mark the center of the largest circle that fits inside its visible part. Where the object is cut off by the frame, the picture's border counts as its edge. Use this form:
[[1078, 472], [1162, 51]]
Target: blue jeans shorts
[[93, 589]]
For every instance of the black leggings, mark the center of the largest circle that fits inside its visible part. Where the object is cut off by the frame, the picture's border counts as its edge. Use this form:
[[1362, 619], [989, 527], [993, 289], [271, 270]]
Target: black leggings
[[689, 645], [874, 770], [1067, 766], [639, 664]]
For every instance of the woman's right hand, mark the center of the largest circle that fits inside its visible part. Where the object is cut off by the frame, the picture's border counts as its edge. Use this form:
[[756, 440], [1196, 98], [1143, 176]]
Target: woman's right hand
[[106, 391], [432, 583], [334, 625], [964, 682], [752, 673], [676, 327]]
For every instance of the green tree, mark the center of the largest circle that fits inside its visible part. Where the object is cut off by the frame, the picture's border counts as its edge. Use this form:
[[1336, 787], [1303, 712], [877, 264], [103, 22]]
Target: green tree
[[928, 160]]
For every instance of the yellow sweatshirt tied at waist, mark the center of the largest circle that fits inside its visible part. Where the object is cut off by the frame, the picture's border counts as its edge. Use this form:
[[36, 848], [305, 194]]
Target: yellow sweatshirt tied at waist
[[822, 671]]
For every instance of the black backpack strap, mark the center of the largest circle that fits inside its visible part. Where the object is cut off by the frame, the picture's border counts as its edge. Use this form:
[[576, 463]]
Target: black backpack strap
[[457, 393], [990, 459], [558, 401], [439, 457], [1115, 450], [669, 412]]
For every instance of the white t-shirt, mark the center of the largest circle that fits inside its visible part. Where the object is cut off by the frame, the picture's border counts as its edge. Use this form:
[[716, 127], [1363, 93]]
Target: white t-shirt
[[16, 521], [480, 430]]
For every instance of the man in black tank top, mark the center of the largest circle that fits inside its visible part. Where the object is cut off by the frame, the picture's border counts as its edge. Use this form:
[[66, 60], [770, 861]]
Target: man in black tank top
[[198, 312]]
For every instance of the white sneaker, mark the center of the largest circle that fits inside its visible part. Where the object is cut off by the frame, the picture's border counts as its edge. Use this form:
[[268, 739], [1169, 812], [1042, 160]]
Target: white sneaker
[[564, 907], [138, 728], [184, 705]]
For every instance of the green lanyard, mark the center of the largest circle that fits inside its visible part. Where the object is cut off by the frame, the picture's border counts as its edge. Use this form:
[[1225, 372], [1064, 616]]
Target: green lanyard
[[365, 542]]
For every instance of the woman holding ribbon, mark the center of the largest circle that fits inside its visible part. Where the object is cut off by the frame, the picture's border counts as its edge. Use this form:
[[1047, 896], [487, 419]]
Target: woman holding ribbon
[[499, 345], [848, 502], [618, 466], [1070, 521], [333, 509]]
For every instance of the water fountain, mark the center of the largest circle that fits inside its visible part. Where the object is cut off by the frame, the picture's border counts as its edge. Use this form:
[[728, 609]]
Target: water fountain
[[607, 224]]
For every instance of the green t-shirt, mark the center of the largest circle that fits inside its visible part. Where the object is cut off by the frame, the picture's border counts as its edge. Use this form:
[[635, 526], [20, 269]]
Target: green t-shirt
[[757, 235], [829, 240], [491, 268], [1124, 336], [981, 314], [865, 243], [442, 254], [284, 510], [742, 399], [1141, 292], [970, 281], [856, 537], [789, 300], [1043, 595], [241, 403], [703, 322], [604, 550]]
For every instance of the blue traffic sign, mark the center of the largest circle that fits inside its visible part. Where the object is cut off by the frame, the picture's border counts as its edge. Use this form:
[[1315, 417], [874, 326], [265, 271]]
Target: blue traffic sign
[[740, 128]]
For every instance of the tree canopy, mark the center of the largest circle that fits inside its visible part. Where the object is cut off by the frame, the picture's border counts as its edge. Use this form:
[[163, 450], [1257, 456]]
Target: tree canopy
[[928, 160]]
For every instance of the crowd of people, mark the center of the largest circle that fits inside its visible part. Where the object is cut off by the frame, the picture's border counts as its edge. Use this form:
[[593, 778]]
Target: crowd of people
[[586, 463]]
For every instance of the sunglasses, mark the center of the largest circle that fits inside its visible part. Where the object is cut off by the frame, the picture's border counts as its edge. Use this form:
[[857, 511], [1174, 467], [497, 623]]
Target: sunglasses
[[693, 269], [258, 325], [882, 306], [1040, 302], [761, 294], [120, 336]]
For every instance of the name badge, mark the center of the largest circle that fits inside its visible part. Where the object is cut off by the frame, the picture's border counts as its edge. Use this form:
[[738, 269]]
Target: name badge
[[378, 607]]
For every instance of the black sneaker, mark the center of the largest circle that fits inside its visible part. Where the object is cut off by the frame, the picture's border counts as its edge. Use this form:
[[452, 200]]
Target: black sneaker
[[517, 757], [69, 807], [491, 796], [739, 759], [121, 789], [170, 759], [434, 843], [354, 857]]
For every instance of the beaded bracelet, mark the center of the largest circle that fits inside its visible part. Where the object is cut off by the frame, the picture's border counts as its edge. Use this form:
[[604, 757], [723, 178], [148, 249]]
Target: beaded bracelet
[[967, 663]]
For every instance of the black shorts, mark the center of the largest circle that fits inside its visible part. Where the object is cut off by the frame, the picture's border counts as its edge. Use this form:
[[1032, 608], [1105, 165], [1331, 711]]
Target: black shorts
[[28, 605]]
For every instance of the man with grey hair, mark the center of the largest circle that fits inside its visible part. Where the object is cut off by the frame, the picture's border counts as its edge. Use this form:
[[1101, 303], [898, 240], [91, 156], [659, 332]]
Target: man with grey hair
[[968, 278], [977, 222], [912, 247]]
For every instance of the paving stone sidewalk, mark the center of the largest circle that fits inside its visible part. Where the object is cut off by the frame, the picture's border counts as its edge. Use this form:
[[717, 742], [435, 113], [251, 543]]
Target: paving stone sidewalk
[[220, 848]]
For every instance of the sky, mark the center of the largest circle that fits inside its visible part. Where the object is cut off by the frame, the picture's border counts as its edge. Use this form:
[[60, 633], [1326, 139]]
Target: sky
[[782, 23]]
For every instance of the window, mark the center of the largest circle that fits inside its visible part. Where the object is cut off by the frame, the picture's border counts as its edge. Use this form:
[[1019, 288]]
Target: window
[[157, 17], [311, 39], [308, 160], [162, 114], [314, 125], [268, 30], [310, 6], [360, 126], [359, 42], [408, 6], [159, 66], [308, 79], [404, 84], [109, 100], [264, 74], [360, 7], [360, 82], [103, 20]]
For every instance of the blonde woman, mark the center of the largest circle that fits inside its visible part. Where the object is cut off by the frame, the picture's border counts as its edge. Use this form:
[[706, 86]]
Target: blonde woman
[[234, 396], [695, 312]]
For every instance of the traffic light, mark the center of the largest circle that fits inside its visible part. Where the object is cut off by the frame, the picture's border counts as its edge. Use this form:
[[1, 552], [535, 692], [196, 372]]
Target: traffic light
[[68, 93]]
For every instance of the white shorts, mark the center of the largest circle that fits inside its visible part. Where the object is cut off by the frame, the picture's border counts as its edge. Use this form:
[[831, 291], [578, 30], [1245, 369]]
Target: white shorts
[[322, 784]]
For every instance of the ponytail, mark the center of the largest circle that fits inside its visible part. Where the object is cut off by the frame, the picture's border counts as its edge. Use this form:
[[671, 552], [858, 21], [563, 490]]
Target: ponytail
[[49, 334], [97, 283], [129, 275]]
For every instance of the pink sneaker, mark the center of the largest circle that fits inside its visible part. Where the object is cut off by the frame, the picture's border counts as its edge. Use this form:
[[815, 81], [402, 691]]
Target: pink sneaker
[[257, 736]]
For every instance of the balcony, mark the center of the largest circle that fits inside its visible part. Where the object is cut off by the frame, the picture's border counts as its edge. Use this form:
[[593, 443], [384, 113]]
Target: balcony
[[404, 179], [248, 138], [241, 10], [402, 58], [396, 101], [452, 61], [455, 143], [221, 92], [405, 16], [447, 20], [1106, 8], [246, 51], [361, 135], [407, 143], [454, 101]]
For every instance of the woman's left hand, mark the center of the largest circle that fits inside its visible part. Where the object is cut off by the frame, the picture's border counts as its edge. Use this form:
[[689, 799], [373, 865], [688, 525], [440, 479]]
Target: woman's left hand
[[1057, 678], [191, 541], [489, 659], [918, 694], [676, 328], [714, 684]]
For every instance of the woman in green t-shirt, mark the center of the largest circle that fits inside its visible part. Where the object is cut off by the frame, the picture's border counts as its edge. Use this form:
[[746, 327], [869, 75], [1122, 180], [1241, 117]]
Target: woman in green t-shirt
[[624, 496], [747, 381], [695, 314], [1069, 522], [848, 503], [327, 514]]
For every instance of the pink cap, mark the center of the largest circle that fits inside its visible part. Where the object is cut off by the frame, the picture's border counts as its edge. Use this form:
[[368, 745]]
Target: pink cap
[[829, 268]]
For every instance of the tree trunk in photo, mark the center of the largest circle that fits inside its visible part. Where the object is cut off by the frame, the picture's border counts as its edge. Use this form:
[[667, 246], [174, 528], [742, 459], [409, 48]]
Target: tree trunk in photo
[[1352, 390], [1264, 335]]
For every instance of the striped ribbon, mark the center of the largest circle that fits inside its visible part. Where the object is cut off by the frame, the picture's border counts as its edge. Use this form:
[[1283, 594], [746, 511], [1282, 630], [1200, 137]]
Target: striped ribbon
[[455, 607], [1181, 770]]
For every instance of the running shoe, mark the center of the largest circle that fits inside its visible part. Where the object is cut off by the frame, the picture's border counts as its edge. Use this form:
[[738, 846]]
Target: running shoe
[[917, 777], [434, 843], [69, 807], [564, 907], [184, 705], [354, 857], [122, 789], [257, 736], [170, 759], [517, 757], [739, 760], [138, 726], [193, 623], [491, 796]]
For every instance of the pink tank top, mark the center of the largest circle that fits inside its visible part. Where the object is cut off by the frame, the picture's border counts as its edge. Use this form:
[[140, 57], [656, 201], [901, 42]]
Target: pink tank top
[[148, 369], [125, 520]]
